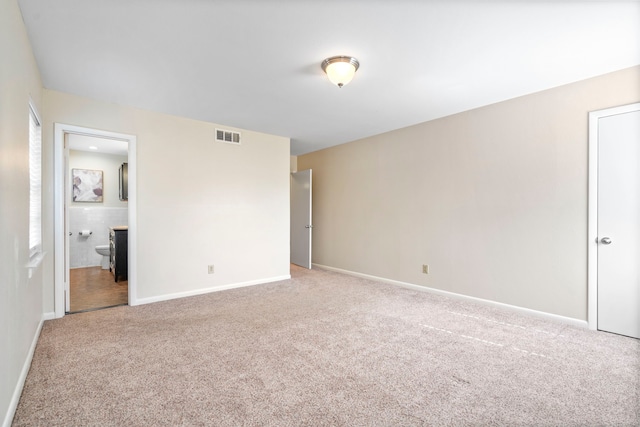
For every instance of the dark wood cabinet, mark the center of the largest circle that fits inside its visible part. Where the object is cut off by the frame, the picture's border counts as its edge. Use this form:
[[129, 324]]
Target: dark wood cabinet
[[118, 241]]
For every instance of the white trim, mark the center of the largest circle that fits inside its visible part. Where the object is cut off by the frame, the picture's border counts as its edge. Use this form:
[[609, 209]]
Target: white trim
[[60, 130], [15, 398], [35, 260], [521, 310], [592, 221], [213, 289], [132, 234], [32, 105], [48, 316]]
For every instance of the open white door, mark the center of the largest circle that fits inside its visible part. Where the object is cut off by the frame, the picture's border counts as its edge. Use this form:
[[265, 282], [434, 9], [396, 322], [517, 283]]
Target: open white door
[[619, 224], [301, 225]]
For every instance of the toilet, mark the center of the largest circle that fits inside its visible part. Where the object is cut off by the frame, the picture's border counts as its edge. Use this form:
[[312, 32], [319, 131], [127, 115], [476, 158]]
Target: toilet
[[104, 251]]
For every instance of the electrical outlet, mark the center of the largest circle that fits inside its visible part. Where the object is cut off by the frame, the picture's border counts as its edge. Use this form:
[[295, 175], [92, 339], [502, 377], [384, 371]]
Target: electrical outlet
[[425, 268], [211, 269]]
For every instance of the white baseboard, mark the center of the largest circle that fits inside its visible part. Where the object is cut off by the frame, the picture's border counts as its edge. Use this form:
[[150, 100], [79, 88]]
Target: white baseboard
[[522, 310], [140, 301], [17, 392], [49, 316]]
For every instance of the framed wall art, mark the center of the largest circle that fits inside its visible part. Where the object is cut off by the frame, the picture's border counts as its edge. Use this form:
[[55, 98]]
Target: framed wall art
[[87, 185]]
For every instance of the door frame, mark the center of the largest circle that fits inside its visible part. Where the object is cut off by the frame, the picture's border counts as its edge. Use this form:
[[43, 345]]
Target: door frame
[[592, 219], [61, 256], [309, 226]]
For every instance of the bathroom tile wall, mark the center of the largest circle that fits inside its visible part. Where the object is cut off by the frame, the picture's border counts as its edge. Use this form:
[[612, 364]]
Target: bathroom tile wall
[[82, 251]]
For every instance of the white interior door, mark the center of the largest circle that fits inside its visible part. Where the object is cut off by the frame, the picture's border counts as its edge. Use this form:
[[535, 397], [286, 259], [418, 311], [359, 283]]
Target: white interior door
[[301, 225], [618, 241]]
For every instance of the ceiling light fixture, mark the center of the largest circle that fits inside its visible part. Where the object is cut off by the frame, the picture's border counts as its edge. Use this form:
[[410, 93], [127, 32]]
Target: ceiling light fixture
[[340, 69]]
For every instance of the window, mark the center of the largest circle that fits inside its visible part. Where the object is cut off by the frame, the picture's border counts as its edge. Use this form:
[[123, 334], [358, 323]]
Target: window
[[35, 184]]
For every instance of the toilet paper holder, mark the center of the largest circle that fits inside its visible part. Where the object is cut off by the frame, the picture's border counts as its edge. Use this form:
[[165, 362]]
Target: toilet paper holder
[[85, 233]]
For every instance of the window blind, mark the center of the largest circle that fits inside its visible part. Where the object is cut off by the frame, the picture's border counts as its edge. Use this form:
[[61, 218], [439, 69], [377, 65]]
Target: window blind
[[35, 184]]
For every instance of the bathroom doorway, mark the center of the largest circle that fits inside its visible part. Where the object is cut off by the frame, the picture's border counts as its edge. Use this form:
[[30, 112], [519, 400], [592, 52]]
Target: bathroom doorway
[[89, 202], [97, 203]]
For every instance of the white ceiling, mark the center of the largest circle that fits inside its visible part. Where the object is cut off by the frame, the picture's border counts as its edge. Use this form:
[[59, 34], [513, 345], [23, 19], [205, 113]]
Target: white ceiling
[[256, 64], [98, 145]]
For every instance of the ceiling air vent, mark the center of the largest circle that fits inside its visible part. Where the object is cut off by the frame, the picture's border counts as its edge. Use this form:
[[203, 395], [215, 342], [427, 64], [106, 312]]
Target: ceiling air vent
[[228, 136]]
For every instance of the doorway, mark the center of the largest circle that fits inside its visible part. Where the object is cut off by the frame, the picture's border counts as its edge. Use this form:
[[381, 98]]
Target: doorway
[[614, 230], [301, 217], [96, 205], [87, 235]]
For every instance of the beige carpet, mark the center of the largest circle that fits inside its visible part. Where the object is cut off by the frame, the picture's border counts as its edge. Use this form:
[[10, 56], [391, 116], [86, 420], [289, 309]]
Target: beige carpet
[[324, 349]]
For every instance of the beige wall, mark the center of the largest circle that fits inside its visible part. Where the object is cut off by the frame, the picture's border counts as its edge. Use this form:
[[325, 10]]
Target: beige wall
[[199, 202], [493, 199], [20, 294]]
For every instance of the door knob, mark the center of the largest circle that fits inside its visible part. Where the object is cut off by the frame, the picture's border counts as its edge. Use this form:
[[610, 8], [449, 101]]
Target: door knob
[[308, 226], [605, 241]]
